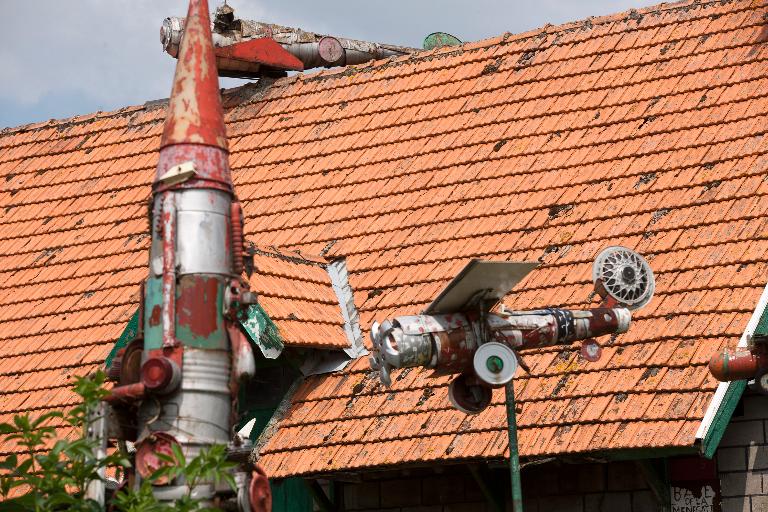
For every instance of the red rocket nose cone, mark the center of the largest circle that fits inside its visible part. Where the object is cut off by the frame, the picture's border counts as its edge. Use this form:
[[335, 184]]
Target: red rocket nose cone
[[194, 113]]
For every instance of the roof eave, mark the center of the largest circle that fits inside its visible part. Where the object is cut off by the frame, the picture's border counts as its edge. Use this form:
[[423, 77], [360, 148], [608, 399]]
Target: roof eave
[[728, 394]]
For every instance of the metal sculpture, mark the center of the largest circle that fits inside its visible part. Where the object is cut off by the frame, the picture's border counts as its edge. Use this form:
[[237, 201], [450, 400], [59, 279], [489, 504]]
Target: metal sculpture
[[242, 46], [461, 333], [176, 383]]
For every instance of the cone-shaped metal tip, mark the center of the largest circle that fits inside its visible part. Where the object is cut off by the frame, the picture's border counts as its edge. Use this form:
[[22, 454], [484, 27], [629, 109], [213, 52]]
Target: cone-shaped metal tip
[[194, 113]]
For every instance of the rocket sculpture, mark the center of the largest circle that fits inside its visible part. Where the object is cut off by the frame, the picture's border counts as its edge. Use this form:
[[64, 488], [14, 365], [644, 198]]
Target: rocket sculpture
[[459, 333], [176, 383]]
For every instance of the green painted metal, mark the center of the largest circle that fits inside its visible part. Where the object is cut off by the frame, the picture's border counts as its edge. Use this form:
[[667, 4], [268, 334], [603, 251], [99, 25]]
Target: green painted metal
[[762, 325], [291, 495], [440, 39], [218, 338], [153, 330], [514, 455], [263, 332], [128, 334], [153, 298], [731, 399], [722, 418]]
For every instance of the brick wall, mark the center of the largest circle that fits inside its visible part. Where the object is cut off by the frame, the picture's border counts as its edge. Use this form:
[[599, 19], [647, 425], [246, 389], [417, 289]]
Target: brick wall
[[742, 458], [549, 487], [556, 486], [450, 489]]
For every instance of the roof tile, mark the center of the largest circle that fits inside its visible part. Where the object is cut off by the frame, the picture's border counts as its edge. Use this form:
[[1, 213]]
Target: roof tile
[[646, 134]]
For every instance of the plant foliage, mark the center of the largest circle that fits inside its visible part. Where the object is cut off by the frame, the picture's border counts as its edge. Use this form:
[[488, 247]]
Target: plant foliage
[[54, 473]]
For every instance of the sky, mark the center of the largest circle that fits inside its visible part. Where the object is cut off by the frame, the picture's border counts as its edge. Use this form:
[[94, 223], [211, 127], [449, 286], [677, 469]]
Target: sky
[[63, 58]]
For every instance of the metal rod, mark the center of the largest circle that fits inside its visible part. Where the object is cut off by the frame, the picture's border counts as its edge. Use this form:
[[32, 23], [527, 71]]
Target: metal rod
[[318, 494], [514, 457], [96, 430], [480, 480], [169, 271]]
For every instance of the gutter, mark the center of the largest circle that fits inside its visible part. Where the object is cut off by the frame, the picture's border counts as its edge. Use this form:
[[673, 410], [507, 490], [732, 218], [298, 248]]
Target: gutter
[[728, 394]]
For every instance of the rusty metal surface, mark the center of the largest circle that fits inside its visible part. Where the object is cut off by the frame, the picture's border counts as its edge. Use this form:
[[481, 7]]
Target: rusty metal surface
[[309, 48], [125, 393], [194, 112], [259, 491], [447, 342], [192, 356], [482, 345], [168, 301], [249, 55], [738, 364]]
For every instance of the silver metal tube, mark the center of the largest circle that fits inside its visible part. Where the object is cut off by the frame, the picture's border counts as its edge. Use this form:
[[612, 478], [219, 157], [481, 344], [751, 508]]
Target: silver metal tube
[[169, 270], [312, 49], [197, 413], [202, 245]]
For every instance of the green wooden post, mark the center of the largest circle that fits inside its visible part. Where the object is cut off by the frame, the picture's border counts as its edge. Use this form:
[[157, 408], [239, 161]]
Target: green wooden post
[[514, 457]]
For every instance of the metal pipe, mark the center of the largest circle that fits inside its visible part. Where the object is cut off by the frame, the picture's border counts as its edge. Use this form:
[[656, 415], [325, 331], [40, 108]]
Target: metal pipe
[[514, 455], [738, 364], [312, 49], [96, 431], [125, 393], [169, 270], [448, 342]]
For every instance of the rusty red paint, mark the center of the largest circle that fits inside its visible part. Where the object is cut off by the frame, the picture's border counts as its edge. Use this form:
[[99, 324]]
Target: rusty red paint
[[264, 51], [195, 115], [236, 220], [197, 305], [147, 461], [455, 352], [126, 393], [738, 364], [169, 270], [154, 318], [259, 491], [211, 167], [160, 374]]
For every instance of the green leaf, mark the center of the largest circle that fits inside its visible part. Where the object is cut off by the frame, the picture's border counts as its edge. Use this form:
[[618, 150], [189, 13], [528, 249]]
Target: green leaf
[[22, 422], [178, 454], [24, 467], [9, 462], [45, 417], [230, 480]]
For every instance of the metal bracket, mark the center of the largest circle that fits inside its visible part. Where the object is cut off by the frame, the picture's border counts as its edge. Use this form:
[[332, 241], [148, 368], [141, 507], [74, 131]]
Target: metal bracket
[[178, 173]]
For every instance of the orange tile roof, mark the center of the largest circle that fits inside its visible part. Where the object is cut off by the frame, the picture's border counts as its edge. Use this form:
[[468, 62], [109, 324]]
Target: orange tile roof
[[297, 293], [644, 129]]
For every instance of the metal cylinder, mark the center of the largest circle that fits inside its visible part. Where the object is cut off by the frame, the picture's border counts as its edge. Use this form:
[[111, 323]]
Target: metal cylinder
[[203, 243], [197, 414], [737, 364], [448, 342], [313, 50], [553, 326]]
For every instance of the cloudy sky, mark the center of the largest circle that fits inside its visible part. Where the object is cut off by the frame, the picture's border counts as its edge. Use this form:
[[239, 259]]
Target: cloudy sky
[[62, 58]]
